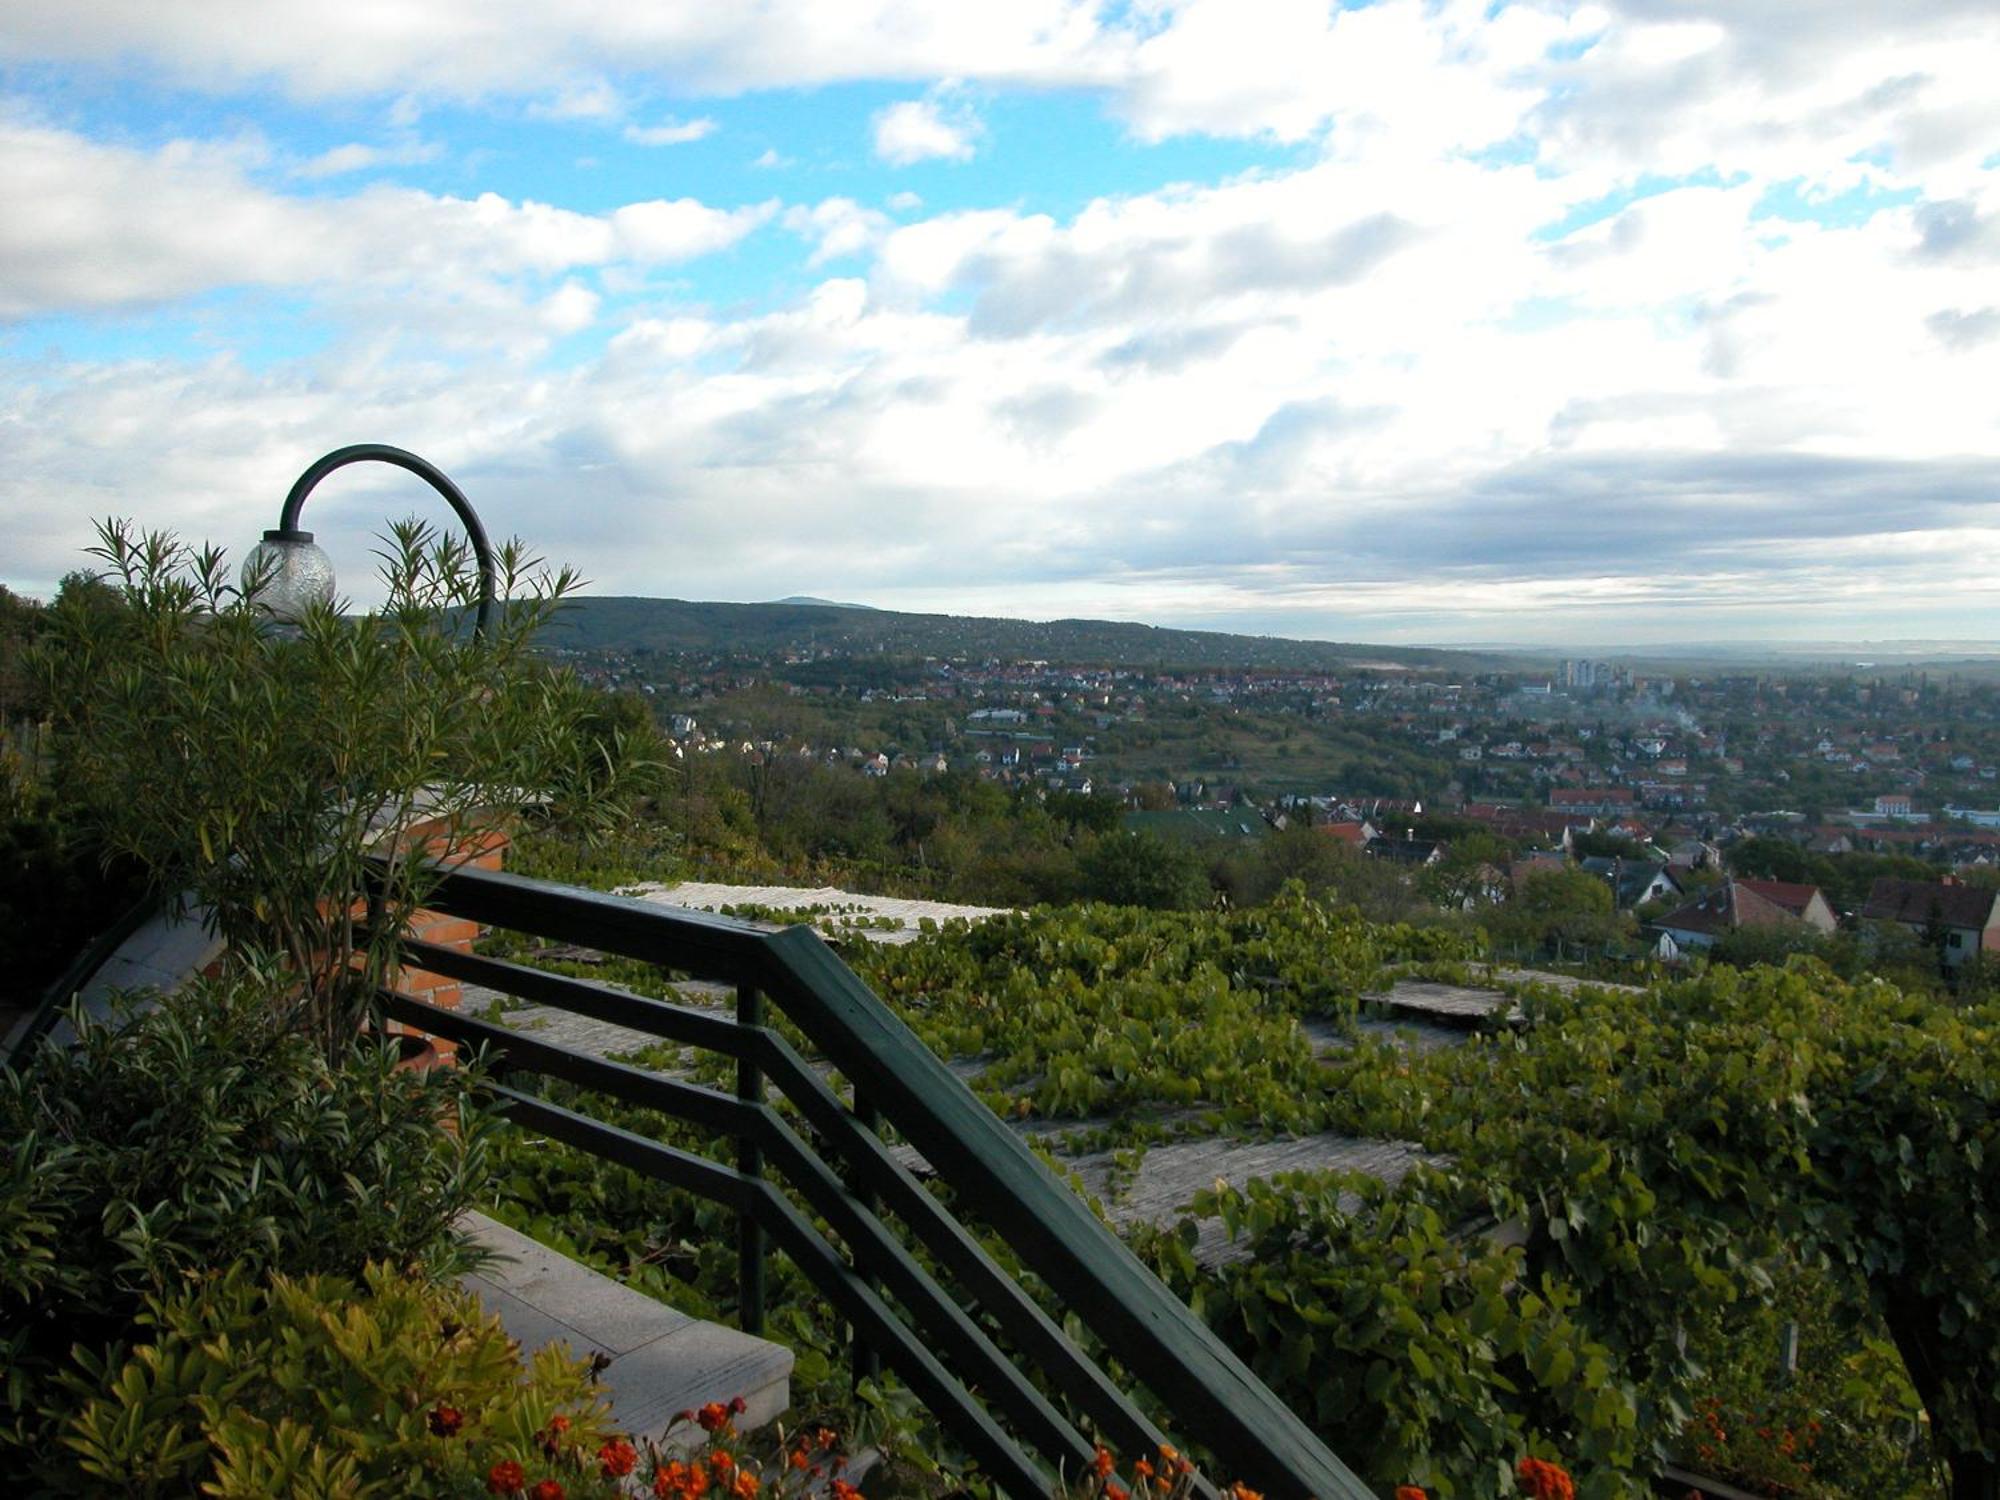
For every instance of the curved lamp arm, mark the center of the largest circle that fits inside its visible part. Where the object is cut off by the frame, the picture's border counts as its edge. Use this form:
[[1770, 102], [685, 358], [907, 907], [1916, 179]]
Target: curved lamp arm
[[429, 472]]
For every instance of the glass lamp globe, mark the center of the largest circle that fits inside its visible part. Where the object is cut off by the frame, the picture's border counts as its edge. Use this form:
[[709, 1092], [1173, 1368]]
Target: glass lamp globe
[[287, 575]]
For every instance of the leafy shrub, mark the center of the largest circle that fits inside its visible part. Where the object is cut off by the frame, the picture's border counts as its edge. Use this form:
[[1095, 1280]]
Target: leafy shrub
[[1420, 1355], [204, 1132], [323, 1385]]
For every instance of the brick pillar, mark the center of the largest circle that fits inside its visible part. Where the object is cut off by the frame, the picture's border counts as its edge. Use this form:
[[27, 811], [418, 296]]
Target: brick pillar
[[485, 849]]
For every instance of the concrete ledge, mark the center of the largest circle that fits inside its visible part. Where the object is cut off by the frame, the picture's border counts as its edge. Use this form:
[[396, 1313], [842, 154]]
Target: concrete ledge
[[658, 1361]]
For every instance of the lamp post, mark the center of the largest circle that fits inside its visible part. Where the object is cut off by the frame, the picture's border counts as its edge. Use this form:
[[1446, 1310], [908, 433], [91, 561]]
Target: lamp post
[[287, 574]]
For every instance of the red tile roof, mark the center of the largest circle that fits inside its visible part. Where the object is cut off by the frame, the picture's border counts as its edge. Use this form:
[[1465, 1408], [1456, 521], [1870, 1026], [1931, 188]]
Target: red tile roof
[[1789, 894], [1726, 908]]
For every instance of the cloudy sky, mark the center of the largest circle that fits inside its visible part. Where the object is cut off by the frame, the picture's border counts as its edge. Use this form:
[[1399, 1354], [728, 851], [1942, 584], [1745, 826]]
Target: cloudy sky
[[1513, 321]]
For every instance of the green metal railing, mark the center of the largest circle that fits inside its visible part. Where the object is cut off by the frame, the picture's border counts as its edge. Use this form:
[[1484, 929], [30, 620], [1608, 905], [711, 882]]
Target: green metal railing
[[967, 1356]]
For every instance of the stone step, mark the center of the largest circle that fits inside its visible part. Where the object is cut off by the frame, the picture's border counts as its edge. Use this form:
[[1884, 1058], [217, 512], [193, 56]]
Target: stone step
[[658, 1362]]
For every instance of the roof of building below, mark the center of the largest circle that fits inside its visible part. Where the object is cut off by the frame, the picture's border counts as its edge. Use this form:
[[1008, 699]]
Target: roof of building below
[[1725, 908], [1918, 902]]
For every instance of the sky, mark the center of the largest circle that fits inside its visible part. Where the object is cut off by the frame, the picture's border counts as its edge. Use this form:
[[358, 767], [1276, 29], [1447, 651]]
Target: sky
[[1506, 321]]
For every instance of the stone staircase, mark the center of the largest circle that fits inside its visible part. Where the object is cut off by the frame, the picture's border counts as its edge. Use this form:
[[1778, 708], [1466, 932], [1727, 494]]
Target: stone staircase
[[657, 1362]]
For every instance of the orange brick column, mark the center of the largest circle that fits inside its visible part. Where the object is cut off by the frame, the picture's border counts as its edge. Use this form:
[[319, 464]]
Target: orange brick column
[[483, 850]]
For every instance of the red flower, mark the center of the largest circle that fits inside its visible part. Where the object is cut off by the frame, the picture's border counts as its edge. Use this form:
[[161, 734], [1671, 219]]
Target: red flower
[[618, 1457], [1410, 1492], [738, 1406], [1543, 1480], [1115, 1491], [505, 1478], [446, 1420], [713, 1417], [745, 1487], [842, 1490], [548, 1489], [1103, 1464], [1242, 1491]]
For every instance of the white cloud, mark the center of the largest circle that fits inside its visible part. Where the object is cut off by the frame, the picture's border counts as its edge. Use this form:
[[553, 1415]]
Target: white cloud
[[84, 225], [673, 133], [928, 129], [838, 227], [357, 157], [459, 50]]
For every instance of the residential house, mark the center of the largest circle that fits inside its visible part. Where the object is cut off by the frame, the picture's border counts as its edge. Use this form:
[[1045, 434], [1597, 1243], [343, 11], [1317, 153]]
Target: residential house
[[1633, 882], [1706, 920], [1963, 919], [1806, 902], [1354, 835], [1600, 801], [1407, 850]]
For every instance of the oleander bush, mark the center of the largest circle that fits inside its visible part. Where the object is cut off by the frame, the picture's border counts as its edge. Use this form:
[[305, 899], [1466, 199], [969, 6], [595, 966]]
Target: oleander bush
[[289, 776]]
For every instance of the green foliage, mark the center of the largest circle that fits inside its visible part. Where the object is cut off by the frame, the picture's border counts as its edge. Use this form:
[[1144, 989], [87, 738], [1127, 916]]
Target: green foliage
[[205, 1132], [260, 767], [1115, 1010], [1143, 869], [323, 1386], [1557, 910], [1670, 1156], [1421, 1355], [1845, 878], [1329, 871]]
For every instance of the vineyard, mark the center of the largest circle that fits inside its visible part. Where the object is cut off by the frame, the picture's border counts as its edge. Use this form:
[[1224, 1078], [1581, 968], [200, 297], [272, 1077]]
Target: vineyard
[[1716, 1225]]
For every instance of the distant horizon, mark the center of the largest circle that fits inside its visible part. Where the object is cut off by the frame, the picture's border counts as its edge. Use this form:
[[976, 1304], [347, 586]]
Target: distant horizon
[[1590, 651]]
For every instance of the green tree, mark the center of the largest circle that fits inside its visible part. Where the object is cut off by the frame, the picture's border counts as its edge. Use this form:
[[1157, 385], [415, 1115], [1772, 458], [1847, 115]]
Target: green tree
[[1557, 910], [1143, 869]]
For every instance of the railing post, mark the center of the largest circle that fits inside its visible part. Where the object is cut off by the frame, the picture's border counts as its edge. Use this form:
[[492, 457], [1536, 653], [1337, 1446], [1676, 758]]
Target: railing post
[[865, 1358], [751, 1245]]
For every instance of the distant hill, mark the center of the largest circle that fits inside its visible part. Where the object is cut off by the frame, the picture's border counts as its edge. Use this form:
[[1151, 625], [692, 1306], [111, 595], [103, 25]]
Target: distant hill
[[822, 603], [613, 623]]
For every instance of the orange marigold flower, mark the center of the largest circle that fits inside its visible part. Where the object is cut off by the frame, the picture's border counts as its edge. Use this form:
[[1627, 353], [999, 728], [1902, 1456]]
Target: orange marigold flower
[[1115, 1491], [746, 1485], [713, 1417], [1410, 1492], [505, 1478], [842, 1490], [446, 1420], [1103, 1463], [548, 1489], [1143, 1468], [1242, 1491], [722, 1462], [1169, 1452], [1543, 1480], [618, 1458]]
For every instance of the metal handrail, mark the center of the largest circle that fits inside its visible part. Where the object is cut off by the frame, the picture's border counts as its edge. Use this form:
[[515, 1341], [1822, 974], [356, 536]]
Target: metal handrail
[[1211, 1394]]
